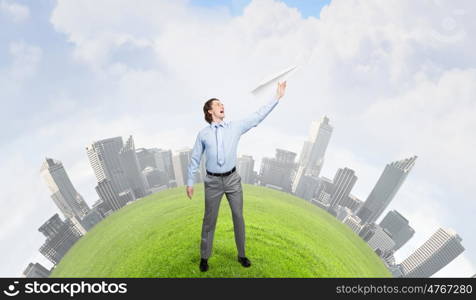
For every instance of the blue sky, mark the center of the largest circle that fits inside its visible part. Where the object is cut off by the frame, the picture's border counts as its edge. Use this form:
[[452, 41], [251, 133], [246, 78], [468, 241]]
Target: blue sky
[[57, 65], [306, 7], [396, 80]]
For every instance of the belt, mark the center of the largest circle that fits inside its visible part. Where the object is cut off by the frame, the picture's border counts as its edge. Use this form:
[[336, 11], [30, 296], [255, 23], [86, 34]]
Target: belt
[[222, 174]]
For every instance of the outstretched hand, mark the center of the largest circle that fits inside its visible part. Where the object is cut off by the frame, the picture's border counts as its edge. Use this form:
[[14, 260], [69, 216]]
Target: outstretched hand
[[280, 90]]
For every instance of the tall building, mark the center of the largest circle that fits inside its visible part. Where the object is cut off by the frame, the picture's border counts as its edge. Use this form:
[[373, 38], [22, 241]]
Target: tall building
[[91, 219], [77, 225], [104, 159], [63, 193], [181, 160], [381, 241], [353, 222], [244, 167], [107, 194], [352, 202], [313, 151], [367, 231], [279, 170], [132, 170], [146, 158], [306, 149], [102, 207], [36, 270], [342, 212], [60, 237], [307, 187], [344, 181], [398, 226], [164, 163], [180, 163], [155, 177], [320, 135], [387, 186], [442, 247], [325, 189]]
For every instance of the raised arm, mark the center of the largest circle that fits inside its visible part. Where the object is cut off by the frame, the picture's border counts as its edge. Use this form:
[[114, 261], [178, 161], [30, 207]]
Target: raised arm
[[258, 116], [193, 164]]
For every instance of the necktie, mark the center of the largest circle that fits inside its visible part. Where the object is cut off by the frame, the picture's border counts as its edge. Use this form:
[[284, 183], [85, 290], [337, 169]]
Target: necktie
[[220, 146]]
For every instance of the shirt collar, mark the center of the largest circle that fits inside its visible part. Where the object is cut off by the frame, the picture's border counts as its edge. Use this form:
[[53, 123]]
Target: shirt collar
[[222, 123]]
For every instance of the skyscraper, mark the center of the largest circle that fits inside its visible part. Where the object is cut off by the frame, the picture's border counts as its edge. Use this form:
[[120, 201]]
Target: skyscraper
[[325, 189], [91, 219], [180, 164], [36, 270], [155, 178], [438, 251], [344, 181], [352, 202], [278, 171], [387, 186], [164, 163], [398, 226], [313, 151], [52, 226], [104, 159], [381, 241], [244, 167], [353, 222], [112, 199], [307, 187], [146, 158], [60, 236], [367, 230], [320, 135], [132, 171], [102, 207], [63, 193], [306, 149]]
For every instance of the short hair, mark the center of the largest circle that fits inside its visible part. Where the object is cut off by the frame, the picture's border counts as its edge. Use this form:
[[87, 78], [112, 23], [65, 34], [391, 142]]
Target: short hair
[[206, 107]]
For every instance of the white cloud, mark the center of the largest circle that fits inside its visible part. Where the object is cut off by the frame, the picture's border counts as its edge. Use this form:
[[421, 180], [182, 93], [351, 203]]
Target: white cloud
[[433, 119], [25, 59], [17, 12], [22, 65]]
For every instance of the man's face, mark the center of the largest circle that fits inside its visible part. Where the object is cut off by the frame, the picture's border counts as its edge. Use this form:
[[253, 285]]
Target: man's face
[[217, 110]]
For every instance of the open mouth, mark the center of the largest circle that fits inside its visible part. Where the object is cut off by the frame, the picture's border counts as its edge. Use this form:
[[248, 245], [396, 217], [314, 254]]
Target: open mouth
[[222, 111]]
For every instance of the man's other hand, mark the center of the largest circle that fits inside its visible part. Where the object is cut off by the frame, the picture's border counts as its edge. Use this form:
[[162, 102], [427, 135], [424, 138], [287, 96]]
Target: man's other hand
[[280, 90], [189, 192]]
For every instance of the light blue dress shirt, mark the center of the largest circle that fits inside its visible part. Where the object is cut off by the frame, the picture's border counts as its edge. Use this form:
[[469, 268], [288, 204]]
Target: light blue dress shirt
[[231, 132]]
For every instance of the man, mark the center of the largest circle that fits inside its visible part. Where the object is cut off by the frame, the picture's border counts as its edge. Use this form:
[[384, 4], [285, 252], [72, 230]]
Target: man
[[219, 140]]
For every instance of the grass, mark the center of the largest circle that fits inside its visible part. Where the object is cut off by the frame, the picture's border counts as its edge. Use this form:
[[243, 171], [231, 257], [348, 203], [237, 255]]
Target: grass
[[159, 236]]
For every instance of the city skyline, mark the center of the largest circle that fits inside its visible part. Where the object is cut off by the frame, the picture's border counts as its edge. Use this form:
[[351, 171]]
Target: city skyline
[[277, 173], [402, 85]]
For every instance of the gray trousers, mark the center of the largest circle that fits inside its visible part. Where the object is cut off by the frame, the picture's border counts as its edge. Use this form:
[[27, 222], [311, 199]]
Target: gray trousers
[[215, 187]]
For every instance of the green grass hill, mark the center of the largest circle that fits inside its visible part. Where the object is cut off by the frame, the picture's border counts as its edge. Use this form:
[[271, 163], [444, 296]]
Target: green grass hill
[[159, 236]]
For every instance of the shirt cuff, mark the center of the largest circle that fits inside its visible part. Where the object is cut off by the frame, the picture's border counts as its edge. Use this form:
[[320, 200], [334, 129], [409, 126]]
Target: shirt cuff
[[274, 101], [189, 182]]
